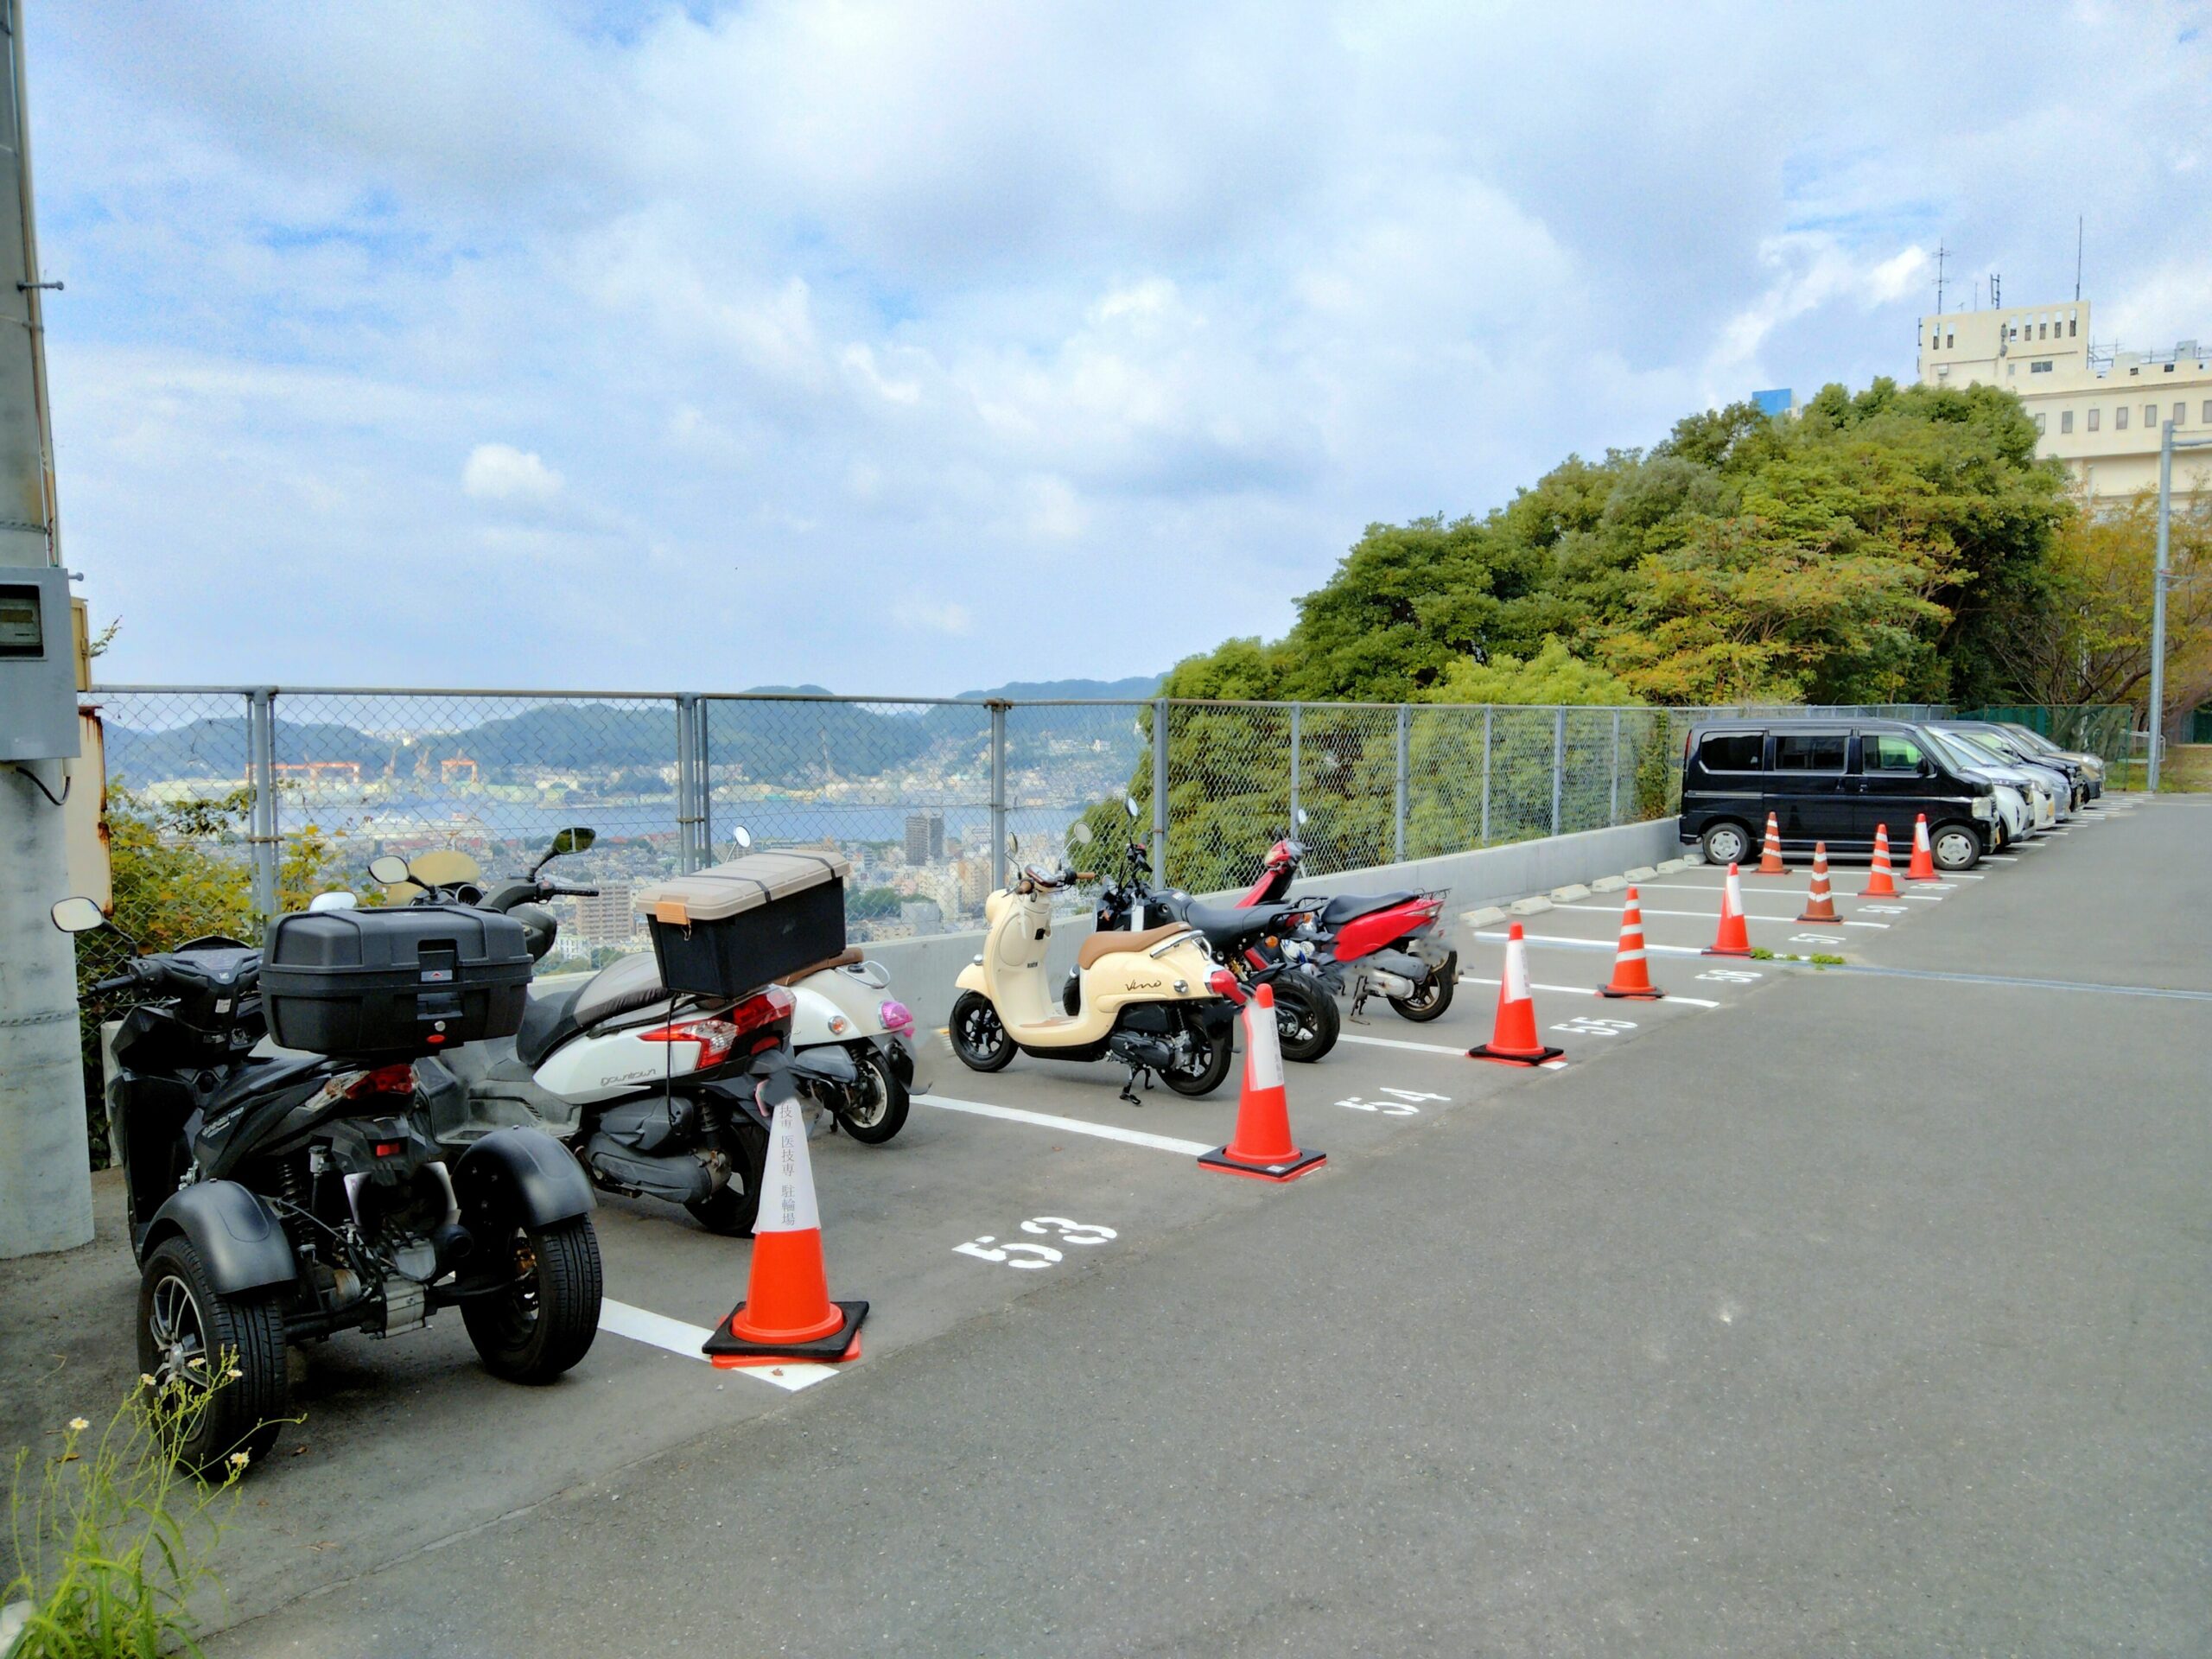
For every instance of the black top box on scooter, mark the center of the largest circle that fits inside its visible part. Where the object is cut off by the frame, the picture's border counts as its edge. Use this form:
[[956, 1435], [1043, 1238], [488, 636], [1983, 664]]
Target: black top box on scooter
[[730, 929], [393, 983]]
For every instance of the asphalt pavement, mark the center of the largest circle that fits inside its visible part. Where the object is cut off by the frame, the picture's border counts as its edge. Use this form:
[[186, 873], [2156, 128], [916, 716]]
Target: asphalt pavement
[[1854, 1310]]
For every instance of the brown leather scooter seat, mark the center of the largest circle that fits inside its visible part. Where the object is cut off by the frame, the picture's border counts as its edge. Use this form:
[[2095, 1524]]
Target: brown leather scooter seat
[[1113, 944], [845, 959]]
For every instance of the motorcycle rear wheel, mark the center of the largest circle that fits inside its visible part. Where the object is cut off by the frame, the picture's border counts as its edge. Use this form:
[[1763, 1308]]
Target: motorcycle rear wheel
[[1307, 1022], [1430, 1001], [543, 1322], [731, 1209], [191, 1337], [1209, 1068]]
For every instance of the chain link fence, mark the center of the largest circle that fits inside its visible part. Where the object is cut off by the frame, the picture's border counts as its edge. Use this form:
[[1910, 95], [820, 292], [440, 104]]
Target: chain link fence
[[230, 805]]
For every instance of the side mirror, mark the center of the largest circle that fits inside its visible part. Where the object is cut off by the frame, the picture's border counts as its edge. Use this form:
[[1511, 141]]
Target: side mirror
[[1298, 817], [389, 868], [577, 838], [1080, 834], [1129, 805], [1927, 768], [77, 914], [741, 838], [338, 898]]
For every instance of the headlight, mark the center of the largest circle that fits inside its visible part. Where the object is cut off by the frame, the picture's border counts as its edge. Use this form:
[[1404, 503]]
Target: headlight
[[1984, 807]]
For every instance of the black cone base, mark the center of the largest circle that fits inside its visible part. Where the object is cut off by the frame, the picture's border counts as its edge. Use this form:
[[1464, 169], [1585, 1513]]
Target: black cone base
[[1219, 1159], [1652, 995], [1484, 1052], [723, 1348]]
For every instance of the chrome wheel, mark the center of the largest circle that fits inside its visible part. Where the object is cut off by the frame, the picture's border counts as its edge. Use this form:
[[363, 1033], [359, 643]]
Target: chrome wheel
[[179, 1333]]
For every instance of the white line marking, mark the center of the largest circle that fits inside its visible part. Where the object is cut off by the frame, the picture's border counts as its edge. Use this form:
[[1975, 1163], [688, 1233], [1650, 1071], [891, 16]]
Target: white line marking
[[1607, 945], [1715, 916], [658, 1331], [1692, 887], [1584, 990], [1400, 1042], [1071, 1125]]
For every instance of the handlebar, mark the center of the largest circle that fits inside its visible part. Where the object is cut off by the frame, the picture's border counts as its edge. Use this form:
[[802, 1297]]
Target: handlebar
[[137, 971], [555, 890]]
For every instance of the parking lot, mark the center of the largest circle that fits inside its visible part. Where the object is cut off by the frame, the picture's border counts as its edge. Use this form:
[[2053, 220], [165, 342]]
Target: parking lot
[[1822, 1309]]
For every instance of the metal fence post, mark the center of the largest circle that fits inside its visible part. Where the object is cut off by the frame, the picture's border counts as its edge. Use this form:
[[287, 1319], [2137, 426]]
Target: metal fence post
[[1613, 806], [1159, 791], [1558, 762], [998, 795], [1398, 839], [687, 818], [1293, 767], [703, 780], [261, 813], [1487, 712]]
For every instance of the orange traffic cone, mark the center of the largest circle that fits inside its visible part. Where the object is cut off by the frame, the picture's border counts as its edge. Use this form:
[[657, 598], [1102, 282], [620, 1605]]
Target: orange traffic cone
[[1631, 976], [787, 1313], [1734, 939], [1820, 904], [1880, 883], [1513, 1039], [1262, 1147], [1923, 868], [1770, 854]]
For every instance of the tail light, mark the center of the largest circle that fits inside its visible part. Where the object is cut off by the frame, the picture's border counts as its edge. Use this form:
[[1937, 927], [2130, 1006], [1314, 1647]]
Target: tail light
[[384, 1080], [897, 1017], [1222, 982], [718, 1035]]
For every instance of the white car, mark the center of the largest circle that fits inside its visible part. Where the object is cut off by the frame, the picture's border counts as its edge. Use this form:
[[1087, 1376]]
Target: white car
[[2022, 806]]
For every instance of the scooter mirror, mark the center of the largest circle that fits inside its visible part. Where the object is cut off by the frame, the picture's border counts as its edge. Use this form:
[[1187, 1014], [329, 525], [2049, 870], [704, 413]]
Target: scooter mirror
[[741, 838], [577, 838], [1129, 805], [1080, 834], [336, 899], [1298, 817], [443, 866], [77, 914], [389, 868]]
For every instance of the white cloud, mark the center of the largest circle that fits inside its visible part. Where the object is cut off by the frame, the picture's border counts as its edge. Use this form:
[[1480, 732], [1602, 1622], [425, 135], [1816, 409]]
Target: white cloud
[[500, 472], [992, 297]]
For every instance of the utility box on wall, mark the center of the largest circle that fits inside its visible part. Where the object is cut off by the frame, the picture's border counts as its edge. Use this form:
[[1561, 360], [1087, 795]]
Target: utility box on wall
[[38, 665]]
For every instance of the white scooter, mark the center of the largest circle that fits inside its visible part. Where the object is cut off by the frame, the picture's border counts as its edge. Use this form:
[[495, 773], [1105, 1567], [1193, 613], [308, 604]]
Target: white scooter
[[657, 1094]]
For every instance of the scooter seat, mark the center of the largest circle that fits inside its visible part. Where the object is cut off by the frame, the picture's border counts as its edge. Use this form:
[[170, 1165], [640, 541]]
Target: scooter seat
[[1114, 944], [1350, 906], [1225, 924], [622, 987]]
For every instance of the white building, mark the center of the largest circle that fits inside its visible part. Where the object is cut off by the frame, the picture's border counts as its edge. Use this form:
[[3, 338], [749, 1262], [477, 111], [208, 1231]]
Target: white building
[[2098, 410]]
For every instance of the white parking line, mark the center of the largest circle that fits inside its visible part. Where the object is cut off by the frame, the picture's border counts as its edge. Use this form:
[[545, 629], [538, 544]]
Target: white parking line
[[1071, 1125], [1399, 1042], [1607, 945], [1692, 886], [1715, 916], [658, 1331], [1585, 991]]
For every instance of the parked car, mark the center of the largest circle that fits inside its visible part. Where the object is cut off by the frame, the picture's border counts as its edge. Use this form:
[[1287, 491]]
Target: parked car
[[2093, 765], [1831, 779], [2024, 803], [2067, 783]]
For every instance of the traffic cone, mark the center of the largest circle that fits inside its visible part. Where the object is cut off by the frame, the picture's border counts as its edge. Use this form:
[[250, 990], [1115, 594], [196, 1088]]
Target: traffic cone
[[787, 1313], [1880, 883], [1820, 904], [1734, 939], [1770, 854], [1262, 1147], [1923, 868], [1631, 976], [1513, 1039]]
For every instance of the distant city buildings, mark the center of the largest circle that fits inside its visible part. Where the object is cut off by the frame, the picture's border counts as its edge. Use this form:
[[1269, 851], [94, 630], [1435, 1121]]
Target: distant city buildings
[[924, 838], [2098, 409], [609, 917]]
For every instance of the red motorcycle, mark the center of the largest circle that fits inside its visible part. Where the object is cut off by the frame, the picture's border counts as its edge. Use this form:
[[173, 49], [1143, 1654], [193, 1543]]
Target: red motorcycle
[[1386, 941]]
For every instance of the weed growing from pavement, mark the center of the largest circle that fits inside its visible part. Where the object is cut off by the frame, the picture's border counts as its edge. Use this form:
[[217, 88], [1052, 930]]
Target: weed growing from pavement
[[1762, 954], [113, 1538]]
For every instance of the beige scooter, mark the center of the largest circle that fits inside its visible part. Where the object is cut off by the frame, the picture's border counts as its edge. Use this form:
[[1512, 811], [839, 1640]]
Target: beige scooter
[[1157, 1001]]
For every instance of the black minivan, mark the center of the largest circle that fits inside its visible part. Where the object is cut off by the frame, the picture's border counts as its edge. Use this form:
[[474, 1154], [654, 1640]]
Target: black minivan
[[1831, 779]]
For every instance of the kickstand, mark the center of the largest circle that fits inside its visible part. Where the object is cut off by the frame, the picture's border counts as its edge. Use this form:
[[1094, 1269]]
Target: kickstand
[[1128, 1083], [1359, 1003]]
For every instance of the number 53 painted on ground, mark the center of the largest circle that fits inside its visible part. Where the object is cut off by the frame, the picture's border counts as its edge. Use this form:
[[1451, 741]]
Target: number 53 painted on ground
[[1015, 1254]]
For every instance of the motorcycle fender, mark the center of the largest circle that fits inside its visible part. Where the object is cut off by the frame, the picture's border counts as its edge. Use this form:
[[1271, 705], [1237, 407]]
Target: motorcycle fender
[[232, 1232], [971, 979], [901, 1053], [522, 1174]]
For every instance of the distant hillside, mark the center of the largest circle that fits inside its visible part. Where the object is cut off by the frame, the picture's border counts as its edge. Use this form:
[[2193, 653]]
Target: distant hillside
[[1142, 685]]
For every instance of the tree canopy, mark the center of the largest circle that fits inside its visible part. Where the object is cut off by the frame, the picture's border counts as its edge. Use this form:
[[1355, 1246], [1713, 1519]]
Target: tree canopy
[[1878, 547]]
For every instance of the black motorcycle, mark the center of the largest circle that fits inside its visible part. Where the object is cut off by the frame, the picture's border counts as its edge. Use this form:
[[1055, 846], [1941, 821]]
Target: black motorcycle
[[274, 1199], [1249, 938]]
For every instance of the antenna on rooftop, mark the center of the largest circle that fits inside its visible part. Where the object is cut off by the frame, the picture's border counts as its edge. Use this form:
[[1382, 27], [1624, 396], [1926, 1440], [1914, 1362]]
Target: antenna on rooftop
[[1996, 291], [1942, 253], [2077, 256]]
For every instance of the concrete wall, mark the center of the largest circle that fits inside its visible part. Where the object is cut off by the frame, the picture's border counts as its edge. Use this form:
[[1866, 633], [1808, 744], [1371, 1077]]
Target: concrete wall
[[923, 970]]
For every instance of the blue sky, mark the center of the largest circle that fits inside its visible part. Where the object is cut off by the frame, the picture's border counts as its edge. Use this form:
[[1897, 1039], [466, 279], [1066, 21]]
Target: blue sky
[[917, 348]]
